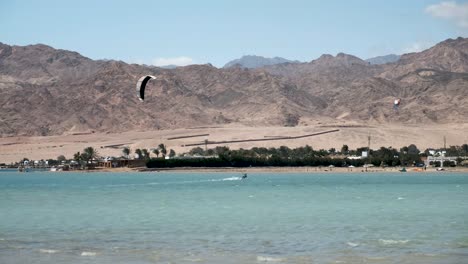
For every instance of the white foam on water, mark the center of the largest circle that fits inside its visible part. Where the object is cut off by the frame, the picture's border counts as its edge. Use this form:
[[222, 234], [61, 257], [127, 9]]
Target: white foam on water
[[351, 244], [392, 242], [375, 258], [400, 198], [232, 179], [88, 254], [170, 183], [268, 259], [193, 259], [48, 251], [251, 196]]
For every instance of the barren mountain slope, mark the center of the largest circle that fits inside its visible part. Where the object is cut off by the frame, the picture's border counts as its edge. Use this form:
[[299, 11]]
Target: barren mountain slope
[[433, 85], [45, 91]]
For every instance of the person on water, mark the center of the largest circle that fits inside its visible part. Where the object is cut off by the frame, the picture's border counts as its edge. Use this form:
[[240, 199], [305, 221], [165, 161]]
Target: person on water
[[244, 176]]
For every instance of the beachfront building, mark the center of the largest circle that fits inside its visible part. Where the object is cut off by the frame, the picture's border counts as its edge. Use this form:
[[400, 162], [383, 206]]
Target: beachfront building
[[119, 163], [432, 160]]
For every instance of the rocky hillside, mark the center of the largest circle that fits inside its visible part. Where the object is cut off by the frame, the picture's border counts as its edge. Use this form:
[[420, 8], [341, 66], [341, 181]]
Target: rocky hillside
[[432, 84], [45, 91]]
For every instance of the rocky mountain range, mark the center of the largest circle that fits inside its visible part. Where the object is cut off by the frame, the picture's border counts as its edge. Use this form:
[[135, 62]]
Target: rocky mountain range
[[47, 91]]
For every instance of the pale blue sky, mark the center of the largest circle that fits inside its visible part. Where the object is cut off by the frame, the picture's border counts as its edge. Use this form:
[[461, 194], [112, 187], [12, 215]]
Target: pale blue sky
[[161, 32]]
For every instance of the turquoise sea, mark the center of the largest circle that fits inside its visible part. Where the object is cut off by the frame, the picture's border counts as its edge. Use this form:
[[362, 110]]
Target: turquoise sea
[[219, 218]]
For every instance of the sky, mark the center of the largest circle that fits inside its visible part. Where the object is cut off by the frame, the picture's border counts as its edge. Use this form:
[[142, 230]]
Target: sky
[[215, 31]]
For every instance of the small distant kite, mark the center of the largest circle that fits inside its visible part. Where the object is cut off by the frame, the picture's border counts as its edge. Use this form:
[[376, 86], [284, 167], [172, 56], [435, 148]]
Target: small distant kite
[[396, 103], [141, 85]]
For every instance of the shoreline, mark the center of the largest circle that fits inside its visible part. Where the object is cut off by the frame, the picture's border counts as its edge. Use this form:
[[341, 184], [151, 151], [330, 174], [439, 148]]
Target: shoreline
[[306, 169], [13, 149], [281, 170]]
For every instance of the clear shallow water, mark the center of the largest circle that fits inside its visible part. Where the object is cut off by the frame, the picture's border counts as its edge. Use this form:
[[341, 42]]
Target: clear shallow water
[[219, 218]]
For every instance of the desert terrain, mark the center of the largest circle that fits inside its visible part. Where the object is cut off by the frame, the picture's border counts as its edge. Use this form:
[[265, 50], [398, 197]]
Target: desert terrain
[[57, 102], [13, 149]]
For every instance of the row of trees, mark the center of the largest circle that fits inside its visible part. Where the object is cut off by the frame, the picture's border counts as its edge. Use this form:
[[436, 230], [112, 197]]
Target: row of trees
[[240, 161], [88, 154], [283, 156], [303, 156], [388, 156], [80, 159], [145, 154]]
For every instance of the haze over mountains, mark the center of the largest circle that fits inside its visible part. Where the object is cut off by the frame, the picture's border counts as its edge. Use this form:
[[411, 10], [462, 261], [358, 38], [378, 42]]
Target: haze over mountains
[[384, 59], [252, 62], [46, 91]]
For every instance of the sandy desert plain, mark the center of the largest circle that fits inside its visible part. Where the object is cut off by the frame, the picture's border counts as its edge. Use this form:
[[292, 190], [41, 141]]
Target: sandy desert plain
[[13, 149]]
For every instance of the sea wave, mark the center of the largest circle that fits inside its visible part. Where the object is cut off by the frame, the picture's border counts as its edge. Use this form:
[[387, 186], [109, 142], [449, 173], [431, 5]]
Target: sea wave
[[392, 242], [48, 251], [351, 244], [88, 254], [193, 259], [232, 179], [268, 259]]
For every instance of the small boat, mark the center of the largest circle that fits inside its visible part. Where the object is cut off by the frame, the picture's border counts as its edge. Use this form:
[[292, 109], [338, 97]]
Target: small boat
[[244, 176], [402, 170]]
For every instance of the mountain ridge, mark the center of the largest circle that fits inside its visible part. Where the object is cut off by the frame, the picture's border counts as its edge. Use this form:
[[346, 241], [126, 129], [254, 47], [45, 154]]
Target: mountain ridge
[[47, 91], [390, 58], [254, 61]]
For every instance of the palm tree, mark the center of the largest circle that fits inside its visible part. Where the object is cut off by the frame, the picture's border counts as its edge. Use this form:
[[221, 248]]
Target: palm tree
[[163, 150], [126, 151], [156, 152], [344, 149], [172, 153], [145, 153], [90, 153], [139, 153]]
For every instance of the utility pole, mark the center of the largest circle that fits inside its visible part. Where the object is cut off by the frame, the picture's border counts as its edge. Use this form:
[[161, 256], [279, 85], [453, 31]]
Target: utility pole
[[442, 156], [368, 146], [368, 149]]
